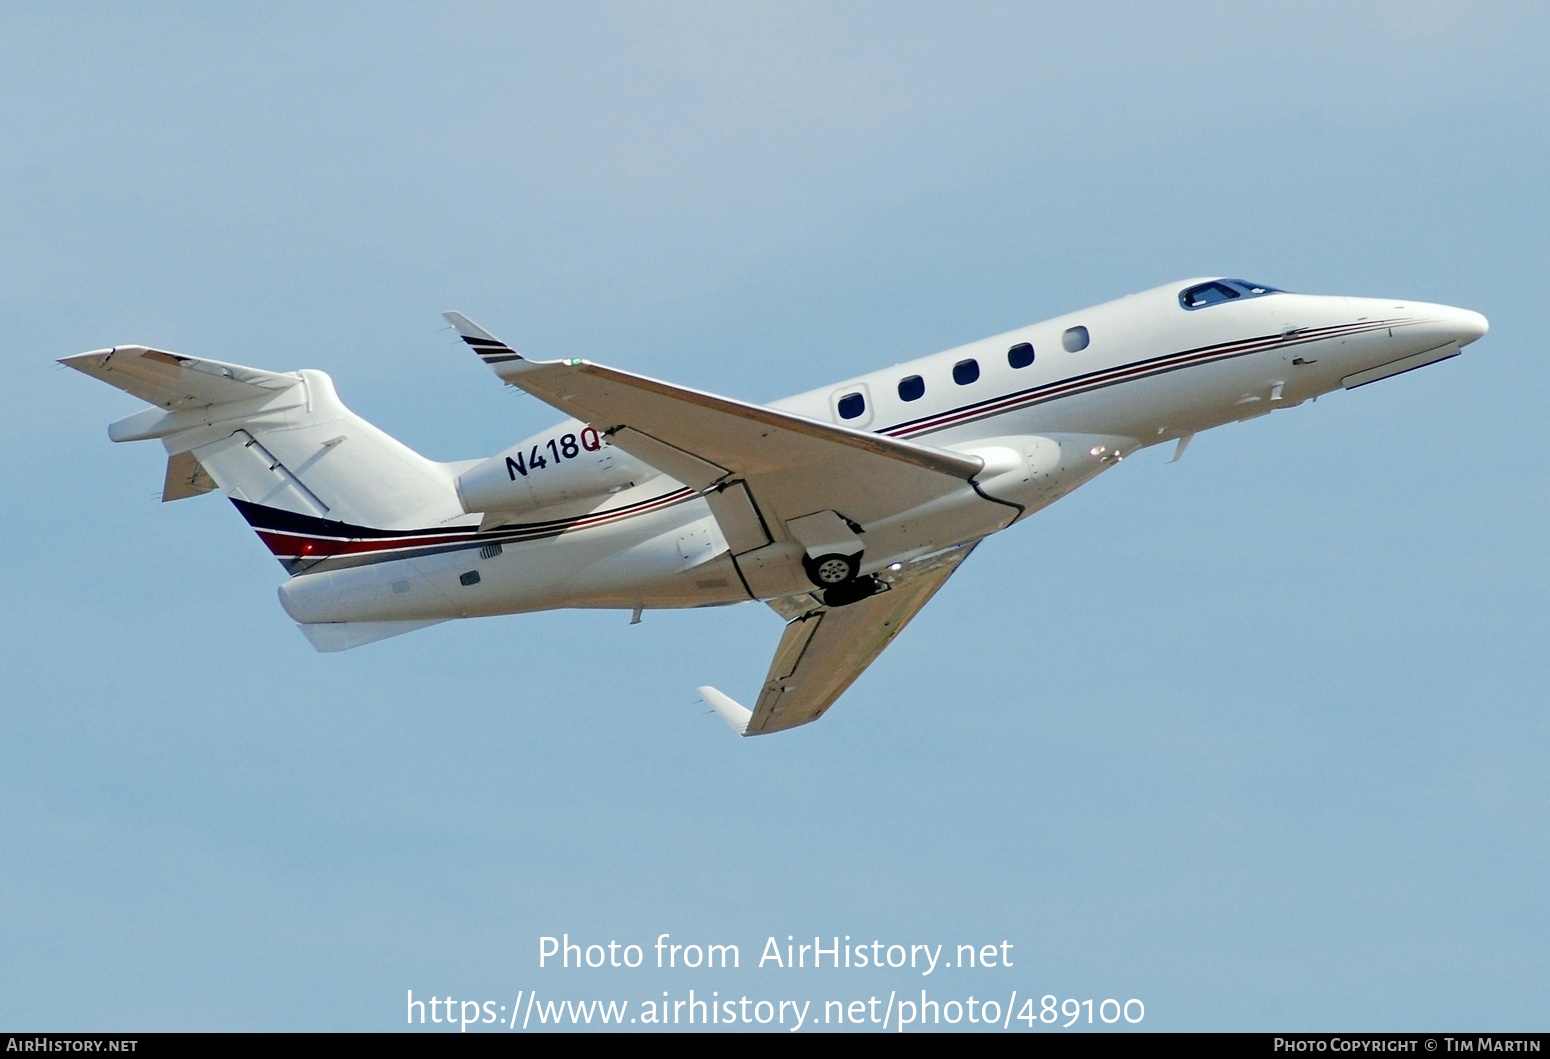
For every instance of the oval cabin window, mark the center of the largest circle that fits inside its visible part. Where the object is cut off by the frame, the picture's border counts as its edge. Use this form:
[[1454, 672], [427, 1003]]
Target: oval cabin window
[[1020, 355], [966, 371], [851, 406], [1075, 339]]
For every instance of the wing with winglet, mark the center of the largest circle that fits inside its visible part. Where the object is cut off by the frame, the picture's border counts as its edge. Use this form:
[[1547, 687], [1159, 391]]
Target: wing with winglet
[[760, 467], [824, 649]]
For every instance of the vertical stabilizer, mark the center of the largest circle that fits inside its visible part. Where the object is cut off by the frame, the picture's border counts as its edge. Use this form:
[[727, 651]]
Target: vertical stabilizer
[[282, 446]]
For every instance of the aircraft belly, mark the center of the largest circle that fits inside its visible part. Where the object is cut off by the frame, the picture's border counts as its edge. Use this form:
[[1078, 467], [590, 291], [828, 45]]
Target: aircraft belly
[[420, 588], [641, 562], [687, 565], [394, 590]]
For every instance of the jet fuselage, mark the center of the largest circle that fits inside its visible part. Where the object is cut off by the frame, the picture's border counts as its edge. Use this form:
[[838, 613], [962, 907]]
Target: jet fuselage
[[1046, 407]]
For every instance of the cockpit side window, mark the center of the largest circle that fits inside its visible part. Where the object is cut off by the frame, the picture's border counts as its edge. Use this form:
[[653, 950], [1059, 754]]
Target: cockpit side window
[[1222, 290], [1203, 294]]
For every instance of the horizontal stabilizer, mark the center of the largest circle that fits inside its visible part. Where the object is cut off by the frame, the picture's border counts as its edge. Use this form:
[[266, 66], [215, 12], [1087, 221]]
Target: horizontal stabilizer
[[332, 636], [173, 381], [281, 445], [730, 710]]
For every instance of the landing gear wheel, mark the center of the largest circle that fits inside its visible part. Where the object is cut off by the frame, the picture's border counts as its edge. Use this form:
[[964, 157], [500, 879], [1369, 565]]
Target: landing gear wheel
[[826, 571]]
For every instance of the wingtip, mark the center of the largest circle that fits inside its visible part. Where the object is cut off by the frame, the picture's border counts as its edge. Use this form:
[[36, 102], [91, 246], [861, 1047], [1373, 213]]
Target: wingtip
[[490, 349], [727, 708], [466, 327], [83, 361]]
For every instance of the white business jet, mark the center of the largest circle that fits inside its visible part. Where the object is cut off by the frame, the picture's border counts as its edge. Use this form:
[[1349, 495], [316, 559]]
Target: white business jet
[[844, 508]]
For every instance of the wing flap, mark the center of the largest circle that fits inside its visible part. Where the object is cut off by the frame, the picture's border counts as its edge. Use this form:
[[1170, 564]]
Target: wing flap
[[741, 524], [669, 459]]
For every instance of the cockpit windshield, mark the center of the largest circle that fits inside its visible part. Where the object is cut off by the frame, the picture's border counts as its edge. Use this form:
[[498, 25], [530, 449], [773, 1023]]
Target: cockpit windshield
[[1222, 290], [1254, 289]]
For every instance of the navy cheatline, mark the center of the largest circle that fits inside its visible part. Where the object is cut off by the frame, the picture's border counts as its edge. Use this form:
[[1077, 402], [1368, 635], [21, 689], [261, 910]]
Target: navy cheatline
[[319, 542], [1139, 369]]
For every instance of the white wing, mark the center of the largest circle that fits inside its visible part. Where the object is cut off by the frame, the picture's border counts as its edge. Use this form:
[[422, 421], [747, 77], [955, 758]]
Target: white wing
[[760, 467], [825, 649]]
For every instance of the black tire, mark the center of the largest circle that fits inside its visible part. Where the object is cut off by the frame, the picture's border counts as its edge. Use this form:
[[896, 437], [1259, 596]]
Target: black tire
[[827, 571]]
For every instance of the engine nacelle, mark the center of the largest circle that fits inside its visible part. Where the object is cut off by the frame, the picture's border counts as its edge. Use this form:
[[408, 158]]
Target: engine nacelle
[[566, 463]]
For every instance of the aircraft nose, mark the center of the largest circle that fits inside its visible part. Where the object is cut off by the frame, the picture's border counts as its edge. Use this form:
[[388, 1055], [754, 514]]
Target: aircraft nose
[[1465, 324]]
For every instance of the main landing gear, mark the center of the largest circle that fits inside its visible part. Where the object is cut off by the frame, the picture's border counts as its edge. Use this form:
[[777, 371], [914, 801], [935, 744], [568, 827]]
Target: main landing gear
[[836, 575]]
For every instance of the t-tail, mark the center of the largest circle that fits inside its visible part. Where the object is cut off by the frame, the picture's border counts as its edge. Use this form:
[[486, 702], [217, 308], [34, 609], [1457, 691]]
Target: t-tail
[[317, 482]]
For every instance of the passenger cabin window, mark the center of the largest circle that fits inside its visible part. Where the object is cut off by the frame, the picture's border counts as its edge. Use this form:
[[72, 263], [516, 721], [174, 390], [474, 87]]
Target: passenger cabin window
[[851, 406], [966, 371], [1075, 339], [1020, 355], [912, 388]]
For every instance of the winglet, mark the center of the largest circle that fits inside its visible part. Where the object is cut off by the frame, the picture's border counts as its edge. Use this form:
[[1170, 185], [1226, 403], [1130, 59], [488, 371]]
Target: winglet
[[733, 712], [491, 350]]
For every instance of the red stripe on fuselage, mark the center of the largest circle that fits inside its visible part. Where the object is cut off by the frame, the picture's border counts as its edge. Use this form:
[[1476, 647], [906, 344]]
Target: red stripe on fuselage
[[299, 546]]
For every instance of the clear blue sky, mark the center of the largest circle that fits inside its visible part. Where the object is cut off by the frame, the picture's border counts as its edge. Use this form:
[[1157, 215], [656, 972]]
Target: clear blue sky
[[1259, 738]]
